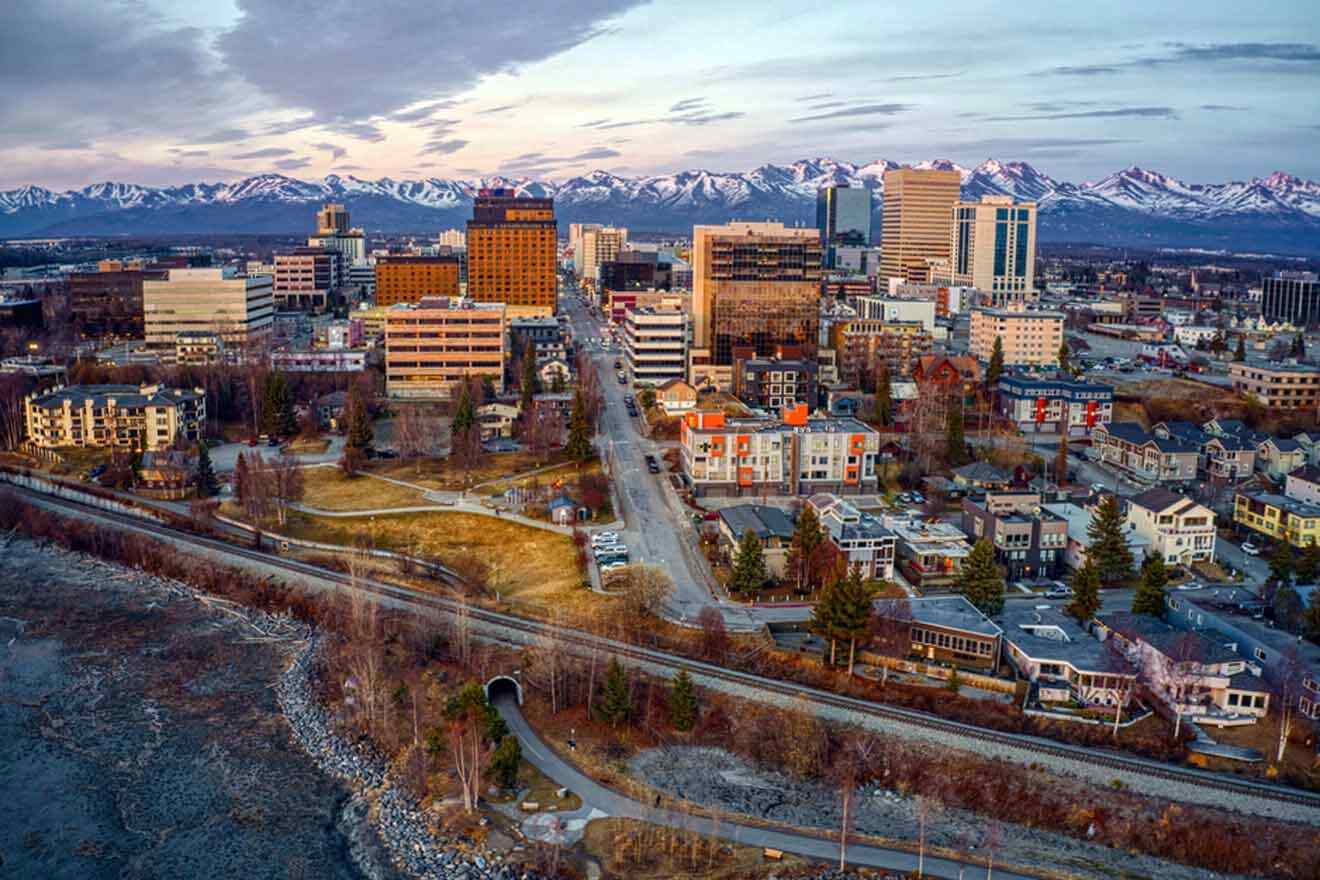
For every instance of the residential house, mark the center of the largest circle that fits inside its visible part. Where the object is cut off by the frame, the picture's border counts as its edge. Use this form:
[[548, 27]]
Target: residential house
[[1193, 673], [1064, 661], [1277, 457], [947, 629], [497, 419], [864, 540], [1303, 485], [981, 475], [1180, 530], [555, 372], [930, 554], [1310, 441], [1277, 517], [1148, 456], [330, 409], [770, 524], [676, 396], [1229, 457], [164, 474], [949, 372], [1029, 540], [1079, 534]]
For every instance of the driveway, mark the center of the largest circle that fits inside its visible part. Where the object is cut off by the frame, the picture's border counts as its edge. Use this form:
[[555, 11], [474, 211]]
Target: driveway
[[225, 456]]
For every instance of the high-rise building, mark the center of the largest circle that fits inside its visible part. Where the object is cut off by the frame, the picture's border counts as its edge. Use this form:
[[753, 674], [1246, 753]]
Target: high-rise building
[[434, 345], [306, 278], [599, 246], [239, 308], [655, 344], [575, 233], [512, 252], [452, 238], [1291, 296], [918, 213], [332, 220], [333, 234], [1028, 338], [843, 216], [108, 304], [406, 279], [992, 247], [755, 284]]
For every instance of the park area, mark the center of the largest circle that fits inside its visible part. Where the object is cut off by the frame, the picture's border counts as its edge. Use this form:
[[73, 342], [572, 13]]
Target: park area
[[327, 488]]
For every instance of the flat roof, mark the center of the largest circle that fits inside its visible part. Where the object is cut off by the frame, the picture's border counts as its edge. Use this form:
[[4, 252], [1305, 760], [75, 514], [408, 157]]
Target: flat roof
[[950, 612], [1044, 632]]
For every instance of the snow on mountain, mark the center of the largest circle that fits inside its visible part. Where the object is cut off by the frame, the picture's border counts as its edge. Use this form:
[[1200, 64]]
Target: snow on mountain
[[1131, 204]]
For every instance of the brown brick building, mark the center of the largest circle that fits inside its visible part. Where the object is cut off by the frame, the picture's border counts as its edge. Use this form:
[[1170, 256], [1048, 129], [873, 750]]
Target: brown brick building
[[512, 251], [109, 304], [406, 279]]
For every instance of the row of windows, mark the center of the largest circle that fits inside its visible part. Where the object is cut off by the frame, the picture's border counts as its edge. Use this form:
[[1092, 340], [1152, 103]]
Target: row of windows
[[957, 644]]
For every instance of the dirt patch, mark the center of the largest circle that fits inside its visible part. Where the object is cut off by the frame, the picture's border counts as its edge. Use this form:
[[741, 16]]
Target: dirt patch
[[326, 488]]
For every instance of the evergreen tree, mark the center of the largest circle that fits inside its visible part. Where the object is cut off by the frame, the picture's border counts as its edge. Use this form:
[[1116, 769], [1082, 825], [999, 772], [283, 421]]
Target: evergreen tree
[[884, 397], [1308, 566], [1064, 353], [531, 383], [1061, 459], [360, 433], [853, 612], [1240, 354], [1298, 346], [616, 706], [1109, 547], [242, 481], [1149, 598], [207, 484], [981, 581], [995, 369], [278, 416], [825, 616], [955, 441], [803, 550], [1288, 610], [1086, 592], [1311, 618], [682, 702], [465, 414], [557, 382], [578, 446], [505, 760], [749, 571], [1281, 564]]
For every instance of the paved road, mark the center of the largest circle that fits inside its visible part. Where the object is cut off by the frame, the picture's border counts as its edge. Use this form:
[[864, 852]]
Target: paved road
[[657, 531], [225, 456], [539, 755]]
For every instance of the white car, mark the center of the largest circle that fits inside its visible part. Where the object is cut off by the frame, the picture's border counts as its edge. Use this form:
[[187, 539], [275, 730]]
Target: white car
[[1250, 549], [604, 538], [610, 550]]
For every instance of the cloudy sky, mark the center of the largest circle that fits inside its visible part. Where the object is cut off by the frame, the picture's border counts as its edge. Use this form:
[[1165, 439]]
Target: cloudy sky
[[172, 91]]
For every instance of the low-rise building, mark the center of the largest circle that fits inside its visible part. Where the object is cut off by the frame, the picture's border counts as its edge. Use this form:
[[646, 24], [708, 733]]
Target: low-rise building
[[142, 417], [320, 360], [929, 554], [1029, 540], [1027, 337], [1278, 517], [774, 383], [862, 539], [1149, 456], [1303, 485], [198, 348], [165, 474], [1276, 457], [770, 525], [1287, 385], [981, 475], [676, 396], [947, 629], [862, 345], [1178, 529], [497, 419], [1079, 533], [790, 455], [1062, 659], [544, 333], [1054, 406]]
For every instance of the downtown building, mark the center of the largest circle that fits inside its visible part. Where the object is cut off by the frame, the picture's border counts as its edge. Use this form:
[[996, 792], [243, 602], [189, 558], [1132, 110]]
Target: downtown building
[[993, 249], [843, 217], [407, 278], [918, 213], [754, 284], [333, 233], [107, 304], [1293, 297], [306, 278], [433, 346], [1029, 338], [1054, 406], [239, 309], [512, 252], [655, 344], [600, 244]]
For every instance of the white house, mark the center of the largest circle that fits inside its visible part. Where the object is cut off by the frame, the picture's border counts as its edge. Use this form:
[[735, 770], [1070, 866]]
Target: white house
[[1303, 485], [1190, 337], [1277, 457], [1179, 529]]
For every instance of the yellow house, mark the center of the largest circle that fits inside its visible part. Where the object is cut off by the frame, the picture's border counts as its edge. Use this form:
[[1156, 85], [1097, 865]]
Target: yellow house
[[1278, 517]]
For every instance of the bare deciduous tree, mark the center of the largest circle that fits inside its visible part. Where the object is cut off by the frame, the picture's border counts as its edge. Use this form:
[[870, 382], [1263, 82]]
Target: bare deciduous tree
[[891, 632], [645, 589]]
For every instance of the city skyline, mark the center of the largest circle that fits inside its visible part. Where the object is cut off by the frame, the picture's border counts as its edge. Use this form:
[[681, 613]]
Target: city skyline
[[168, 91]]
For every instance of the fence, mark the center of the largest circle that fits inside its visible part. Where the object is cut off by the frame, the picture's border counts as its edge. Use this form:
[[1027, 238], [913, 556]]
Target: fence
[[934, 670]]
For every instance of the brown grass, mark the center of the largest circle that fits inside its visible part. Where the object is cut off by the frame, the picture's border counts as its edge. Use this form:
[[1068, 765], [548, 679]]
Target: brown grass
[[566, 474], [629, 848], [328, 489], [446, 475]]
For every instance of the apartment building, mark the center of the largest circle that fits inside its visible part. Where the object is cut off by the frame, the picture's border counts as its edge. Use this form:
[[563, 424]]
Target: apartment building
[[775, 382], [993, 249], [142, 417], [1029, 338], [947, 629], [546, 335], [434, 345], [915, 224], [239, 308], [754, 284], [789, 455], [885, 308], [862, 539], [1054, 406], [1278, 517], [1276, 457], [1303, 485], [930, 554], [861, 345], [512, 252], [599, 245], [655, 345], [407, 278], [1178, 529], [1150, 456], [1029, 540], [1277, 386], [306, 278]]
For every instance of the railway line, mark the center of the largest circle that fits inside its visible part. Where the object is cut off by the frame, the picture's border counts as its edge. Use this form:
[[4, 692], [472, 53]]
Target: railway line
[[1251, 796]]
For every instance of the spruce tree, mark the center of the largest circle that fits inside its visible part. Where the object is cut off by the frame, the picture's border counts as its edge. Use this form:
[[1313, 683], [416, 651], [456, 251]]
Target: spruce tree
[[884, 397], [465, 414], [803, 549], [981, 581], [825, 617], [1240, 354], [995, 369], [1311, 618], [1308, 566], [682, 702], [1149, 597], [955, 440], [278, 415], [616, 706], [242, 480], [1281, 564], [531, 383], [1109, 547], [1288, 610], [504, 762], [853, 612], [207, 484], [1064, 353], [360, 433], [1061, 458], [1086, 592], [749, 571], [578, 446]]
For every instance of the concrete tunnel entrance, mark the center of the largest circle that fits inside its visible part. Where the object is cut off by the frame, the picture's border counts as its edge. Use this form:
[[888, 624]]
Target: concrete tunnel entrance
[[503, 685]]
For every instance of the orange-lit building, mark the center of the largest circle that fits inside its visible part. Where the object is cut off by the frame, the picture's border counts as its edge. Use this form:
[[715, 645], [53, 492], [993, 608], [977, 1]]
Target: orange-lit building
[[433, 346], [790, 455], [512, 252], [406, 279]]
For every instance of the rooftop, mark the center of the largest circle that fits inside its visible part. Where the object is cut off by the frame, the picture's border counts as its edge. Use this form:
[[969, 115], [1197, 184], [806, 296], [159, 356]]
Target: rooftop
[[1159, 500], [1284, 503], [765, 521], [1044, 632], [950, 612], [1170, 641], [78, 396]]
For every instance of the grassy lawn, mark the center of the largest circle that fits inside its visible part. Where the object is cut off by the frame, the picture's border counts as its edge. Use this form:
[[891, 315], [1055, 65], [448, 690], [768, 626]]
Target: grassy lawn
[[309, 445], [445, 474], [78, 460], [629, 848], [566, 474], [328, 489], [527, 565], [1263, 736], [542, 790]]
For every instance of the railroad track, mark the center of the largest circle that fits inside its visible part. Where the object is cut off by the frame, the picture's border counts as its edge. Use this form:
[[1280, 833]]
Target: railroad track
[[532, 630]]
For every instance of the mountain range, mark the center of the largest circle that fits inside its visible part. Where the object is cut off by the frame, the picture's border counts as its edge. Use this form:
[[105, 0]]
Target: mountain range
[[1132, 207]]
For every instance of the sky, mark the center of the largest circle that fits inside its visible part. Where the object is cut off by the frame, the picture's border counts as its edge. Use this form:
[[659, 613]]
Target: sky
[[163, 92]]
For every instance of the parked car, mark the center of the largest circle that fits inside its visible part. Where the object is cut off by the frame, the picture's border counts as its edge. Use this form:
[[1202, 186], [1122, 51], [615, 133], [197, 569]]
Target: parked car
[[610, 568], [918, 498], [604, 538], [1250, 549], [1059, 592], [609, 550], [1190, 585]]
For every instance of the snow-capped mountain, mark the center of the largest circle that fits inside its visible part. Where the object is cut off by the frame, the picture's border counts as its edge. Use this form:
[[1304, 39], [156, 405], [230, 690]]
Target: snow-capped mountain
[[1134, 206]]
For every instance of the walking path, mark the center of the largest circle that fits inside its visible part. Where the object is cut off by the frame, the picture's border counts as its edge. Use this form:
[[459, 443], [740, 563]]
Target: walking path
[[597, 799]]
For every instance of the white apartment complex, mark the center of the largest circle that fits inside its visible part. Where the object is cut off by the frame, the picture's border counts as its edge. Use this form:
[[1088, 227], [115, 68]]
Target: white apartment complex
[[1178, 529], [655, 344], [127, 416], [599, 245], [240, 309]]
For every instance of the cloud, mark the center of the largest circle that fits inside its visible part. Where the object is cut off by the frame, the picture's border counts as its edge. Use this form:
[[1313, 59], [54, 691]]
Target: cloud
[[335, 151], [595, 123], [189, 154], [1082, 70], [293, 164], [222, 136], [859, 110], [695, 117], [1118, 113], [913, 77], [364, 131], [1223, 107], [294, 52], [264, 153], [542, 162], [444, 148], [349, 168], [1298, 57], [67, 145], [687, 104], [503, 108], [423, 111], [816, 97]]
